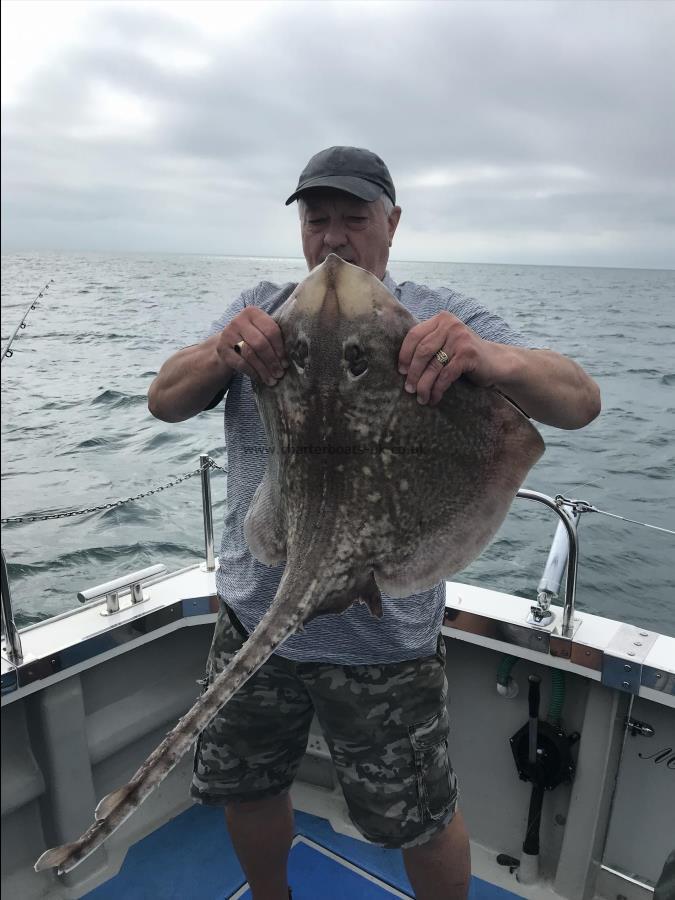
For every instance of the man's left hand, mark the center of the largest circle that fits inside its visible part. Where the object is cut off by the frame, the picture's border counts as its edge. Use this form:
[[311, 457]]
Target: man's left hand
[[468, 355], [548, 387]]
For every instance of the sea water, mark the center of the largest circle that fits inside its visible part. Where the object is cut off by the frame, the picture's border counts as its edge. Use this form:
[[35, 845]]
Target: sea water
[[76, 431]]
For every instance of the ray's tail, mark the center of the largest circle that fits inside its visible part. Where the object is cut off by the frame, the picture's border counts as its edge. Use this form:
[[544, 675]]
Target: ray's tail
[[283, 618]]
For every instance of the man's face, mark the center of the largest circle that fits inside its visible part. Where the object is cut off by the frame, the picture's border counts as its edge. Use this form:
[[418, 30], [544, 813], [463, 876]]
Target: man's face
[[356, 230]]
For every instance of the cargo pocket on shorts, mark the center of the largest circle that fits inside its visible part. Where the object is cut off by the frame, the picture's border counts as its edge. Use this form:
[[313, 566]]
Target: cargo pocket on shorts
[[228, 637], [435, 779]]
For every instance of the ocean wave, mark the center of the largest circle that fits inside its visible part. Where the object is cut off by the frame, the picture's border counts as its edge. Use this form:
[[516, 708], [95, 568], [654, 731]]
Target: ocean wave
[[22, 618], [99, 555], [135, 513], [61, 404], [163, 439], [23, 430], [96, 443], [117, 399]]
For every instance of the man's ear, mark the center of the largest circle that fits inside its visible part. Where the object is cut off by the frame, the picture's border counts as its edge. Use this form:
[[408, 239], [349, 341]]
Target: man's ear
[[393, 220]]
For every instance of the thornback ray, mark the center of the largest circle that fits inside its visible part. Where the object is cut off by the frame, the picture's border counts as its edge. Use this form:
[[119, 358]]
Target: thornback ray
[[366, 491]]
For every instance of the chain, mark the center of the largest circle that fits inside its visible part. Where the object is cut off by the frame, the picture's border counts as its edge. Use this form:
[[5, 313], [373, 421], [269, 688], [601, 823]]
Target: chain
[[581, 506], [67, 514]]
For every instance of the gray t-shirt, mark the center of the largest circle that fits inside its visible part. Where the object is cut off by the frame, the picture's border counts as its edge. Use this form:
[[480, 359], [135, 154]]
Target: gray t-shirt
[[409, 626]]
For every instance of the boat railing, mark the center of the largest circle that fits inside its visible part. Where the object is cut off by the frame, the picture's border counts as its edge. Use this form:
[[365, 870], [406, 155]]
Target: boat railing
[[132, 581], [11, 632], [205, 465], [563, 557]]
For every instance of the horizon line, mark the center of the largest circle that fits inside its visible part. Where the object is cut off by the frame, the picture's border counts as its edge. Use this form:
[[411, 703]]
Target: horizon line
[[455, 262]]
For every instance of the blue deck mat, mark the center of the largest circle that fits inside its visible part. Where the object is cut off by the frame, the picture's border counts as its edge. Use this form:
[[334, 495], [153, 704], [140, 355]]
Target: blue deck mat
[[315, 876], [191, 858]]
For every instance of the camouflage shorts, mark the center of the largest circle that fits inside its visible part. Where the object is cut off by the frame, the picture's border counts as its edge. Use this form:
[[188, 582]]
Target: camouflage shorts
[[386, 727]]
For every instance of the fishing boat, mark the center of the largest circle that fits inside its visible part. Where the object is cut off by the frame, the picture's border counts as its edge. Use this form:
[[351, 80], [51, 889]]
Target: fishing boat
[[563, 737]]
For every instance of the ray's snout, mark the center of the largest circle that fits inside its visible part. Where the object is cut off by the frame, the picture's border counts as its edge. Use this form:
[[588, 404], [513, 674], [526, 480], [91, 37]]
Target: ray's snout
[[337, 289]]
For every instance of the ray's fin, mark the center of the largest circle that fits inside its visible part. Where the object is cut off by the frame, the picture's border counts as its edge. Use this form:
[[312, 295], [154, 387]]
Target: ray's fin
[[374, 604], [371, 596], [54, 857], [111, 802]]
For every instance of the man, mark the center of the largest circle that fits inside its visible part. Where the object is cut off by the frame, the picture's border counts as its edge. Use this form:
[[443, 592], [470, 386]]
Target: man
[[378, 687]]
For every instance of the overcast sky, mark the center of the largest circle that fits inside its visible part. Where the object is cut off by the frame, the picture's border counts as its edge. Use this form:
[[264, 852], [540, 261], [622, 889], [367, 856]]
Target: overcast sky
[[515, 132]]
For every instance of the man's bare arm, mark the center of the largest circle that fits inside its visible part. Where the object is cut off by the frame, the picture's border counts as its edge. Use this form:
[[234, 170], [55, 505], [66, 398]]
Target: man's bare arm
[[549, 387], [187, 382], [190, 379]]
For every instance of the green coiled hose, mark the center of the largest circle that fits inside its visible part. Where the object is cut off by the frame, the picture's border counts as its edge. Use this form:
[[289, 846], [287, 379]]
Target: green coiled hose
[[557, 686]]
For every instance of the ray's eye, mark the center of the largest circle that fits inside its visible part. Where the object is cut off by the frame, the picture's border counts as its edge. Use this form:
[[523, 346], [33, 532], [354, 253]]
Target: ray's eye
[[356, 359], [299, 353]]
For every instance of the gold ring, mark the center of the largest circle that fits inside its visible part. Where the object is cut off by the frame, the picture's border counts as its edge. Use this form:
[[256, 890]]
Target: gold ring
[[442, 357], [237, 347]]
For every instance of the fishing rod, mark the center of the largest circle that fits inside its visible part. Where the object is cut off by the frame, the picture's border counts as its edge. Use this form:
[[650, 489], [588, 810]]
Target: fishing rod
[[22, 324]]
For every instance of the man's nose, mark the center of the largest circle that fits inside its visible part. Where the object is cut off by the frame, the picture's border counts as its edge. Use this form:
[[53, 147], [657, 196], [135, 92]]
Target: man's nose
[[335, 236]]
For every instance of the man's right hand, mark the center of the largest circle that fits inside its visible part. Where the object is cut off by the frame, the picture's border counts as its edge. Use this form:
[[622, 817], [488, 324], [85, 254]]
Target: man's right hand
[[190, 379], [262, 355]]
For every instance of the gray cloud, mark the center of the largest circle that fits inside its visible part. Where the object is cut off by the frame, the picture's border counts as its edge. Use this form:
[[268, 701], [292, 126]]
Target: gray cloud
[[515, 132]]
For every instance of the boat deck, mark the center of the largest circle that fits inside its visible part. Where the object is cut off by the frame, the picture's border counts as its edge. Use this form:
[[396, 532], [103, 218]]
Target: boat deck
[[192, 857]]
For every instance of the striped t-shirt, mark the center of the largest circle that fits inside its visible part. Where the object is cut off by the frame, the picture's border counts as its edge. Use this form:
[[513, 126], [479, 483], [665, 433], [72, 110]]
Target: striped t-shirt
[[409, 626]]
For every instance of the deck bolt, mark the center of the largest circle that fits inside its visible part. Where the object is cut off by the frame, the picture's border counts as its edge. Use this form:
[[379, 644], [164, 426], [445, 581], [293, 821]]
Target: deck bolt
[[628, 668], [626, 684], [631, 652], [637, 644]]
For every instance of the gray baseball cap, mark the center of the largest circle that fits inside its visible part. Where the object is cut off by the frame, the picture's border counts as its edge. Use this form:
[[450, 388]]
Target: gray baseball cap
[[351, 169]]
